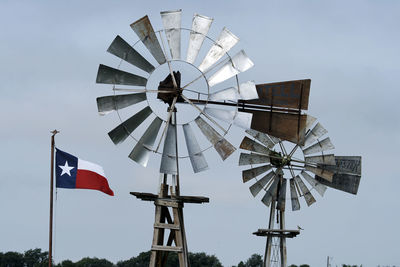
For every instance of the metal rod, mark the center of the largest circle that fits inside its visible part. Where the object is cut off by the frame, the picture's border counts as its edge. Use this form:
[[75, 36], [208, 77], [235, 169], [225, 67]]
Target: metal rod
[[168, 61], [144, 91], [51, 198]]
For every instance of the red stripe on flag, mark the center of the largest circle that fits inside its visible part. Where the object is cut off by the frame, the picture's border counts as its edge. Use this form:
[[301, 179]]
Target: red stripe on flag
[[91, 180]]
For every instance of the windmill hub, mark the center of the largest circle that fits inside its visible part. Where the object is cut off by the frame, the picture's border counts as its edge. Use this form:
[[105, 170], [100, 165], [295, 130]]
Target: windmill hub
[[278, 160], [167, 85]]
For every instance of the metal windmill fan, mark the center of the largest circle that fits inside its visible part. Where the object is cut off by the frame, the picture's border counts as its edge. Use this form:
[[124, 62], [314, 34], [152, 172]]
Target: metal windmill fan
[[155, 113], [273, 164]]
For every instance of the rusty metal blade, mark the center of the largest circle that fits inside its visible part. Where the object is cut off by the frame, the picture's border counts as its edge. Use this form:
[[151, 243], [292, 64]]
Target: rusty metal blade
[[343, 182], [221, 145], [145, 32], [240, 119], [224, 43], [172, 26], [326, 174], [304, 190], [200, 26], [320, 188], [289, 94], [271, 192], [120, 48], [286, 126], [107, 104], [251, 145], [322, 159], [197, 159], [238, 63], [122, 131], [320, 146], [261, 137], [168, 158], [254, 172], [315, 134], [293, 196], [345, 164], [110, 75], [260, 184], [250, 159], [142, 150], [282, 196]]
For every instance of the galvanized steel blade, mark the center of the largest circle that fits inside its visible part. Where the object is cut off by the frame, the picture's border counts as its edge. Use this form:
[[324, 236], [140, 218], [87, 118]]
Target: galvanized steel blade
[[240, 119], [197, 159], [238, 63], [320, 146], [228, 94], [320, 188], [172, 26], [326, 174], [343, 182], [221, 145], [271, 192], [248, 91], [200, 26], [168, 158], [309, 122], [260, 184], [110, 75], [293, 196], [224, 43], [321, 159], [315, 134], [254, 172], [274, 139], [120, 48], [107, 104], [282, 196], [304, 190], [250, 159], [141, 151], [122, 131], [345, 164], [145, 32], [251, 145], [262, 137]]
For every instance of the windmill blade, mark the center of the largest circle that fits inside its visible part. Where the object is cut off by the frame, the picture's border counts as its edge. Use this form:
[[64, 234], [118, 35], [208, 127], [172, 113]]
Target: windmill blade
[[314, 134], [271, 192], [320, 188], [251, 145], [326, 174], [240, 119], [172, 25], [237, 64], [228, 94], [250, 159], [249, 174], [107, 104], [168, 158], [110, 75], [197, 159], [293, 196], [345, 164], [145, 32], [248, 91], [262, 137], [141, 151], [304, 190], [322, 159], [225, 42], [320, 146], [310, 121], [221, 145], [282, 196], [120, 48], [122, 131], [260, 184], [200, 26]]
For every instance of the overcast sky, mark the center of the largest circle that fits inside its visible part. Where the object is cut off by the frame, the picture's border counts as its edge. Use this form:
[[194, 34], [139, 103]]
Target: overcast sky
[[49, 54]]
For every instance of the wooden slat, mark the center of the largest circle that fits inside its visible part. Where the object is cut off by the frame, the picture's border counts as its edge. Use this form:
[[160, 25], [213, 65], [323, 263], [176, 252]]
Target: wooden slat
[[166, 226], [167, 248]]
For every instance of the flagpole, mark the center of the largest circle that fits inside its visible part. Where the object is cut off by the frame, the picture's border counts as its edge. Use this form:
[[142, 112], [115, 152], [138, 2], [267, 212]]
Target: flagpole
[[51, 198]]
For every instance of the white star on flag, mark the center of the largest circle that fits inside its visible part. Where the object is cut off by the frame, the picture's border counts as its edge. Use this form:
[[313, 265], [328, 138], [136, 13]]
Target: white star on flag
[[65, 169]]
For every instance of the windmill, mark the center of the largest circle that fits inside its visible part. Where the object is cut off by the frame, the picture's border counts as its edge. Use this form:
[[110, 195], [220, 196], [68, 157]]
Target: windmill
[[280, 159]]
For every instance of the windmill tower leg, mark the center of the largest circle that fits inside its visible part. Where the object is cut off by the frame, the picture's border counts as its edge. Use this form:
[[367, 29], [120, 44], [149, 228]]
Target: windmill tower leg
[[267, 255], [282, 240]]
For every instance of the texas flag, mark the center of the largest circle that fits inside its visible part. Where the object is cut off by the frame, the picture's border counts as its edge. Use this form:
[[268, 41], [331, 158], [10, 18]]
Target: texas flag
[[73, 172]]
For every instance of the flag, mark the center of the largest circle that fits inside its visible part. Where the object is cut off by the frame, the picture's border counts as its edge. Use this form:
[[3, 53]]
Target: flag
[[73, 172]]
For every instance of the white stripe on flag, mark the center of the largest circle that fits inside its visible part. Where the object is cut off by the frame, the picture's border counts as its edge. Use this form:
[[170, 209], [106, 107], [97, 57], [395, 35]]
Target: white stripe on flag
[[86, 165]]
